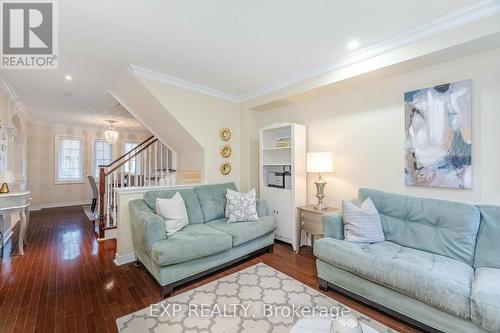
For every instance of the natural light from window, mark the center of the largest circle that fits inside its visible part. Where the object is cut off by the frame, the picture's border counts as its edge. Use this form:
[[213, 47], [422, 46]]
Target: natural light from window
[[70, 160], [103, 155], [131, 166]]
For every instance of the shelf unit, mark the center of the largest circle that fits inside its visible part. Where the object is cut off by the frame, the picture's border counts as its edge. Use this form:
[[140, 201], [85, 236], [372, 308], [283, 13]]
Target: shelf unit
[[278, 148], [283, 202]]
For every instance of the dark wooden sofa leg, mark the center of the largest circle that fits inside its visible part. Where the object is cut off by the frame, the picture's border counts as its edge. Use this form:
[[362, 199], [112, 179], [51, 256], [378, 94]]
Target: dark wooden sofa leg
[[323, 284], [166, 291], [270, 248]]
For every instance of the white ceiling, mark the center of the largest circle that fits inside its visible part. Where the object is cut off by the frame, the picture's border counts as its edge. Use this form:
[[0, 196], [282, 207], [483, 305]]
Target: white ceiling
[[234, 46]]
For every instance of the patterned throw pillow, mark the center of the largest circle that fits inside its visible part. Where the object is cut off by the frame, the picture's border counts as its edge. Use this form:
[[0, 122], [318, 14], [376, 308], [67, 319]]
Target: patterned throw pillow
[[241, 207], [362, 224]]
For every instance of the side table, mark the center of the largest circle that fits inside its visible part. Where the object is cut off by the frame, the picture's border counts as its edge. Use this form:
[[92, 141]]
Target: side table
[[309, 220], [14, 202]]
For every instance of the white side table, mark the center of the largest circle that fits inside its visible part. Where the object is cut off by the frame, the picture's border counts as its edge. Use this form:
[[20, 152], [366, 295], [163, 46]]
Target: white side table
[[310, 221], [17, 202]]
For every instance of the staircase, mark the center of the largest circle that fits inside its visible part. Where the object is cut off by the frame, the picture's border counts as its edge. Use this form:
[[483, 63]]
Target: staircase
[[150, 163]]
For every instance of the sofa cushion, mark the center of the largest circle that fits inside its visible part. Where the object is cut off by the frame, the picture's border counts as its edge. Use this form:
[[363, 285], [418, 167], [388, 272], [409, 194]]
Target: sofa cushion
[[188, 195], [488, 246], [485, 299], [213, 200], [436, 280], [441, 227], [243, 232], [194, 241]]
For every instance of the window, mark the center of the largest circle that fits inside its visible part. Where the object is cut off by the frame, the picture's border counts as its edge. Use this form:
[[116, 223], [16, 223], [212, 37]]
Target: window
[[132, 165], [69, 155], [103, 154]]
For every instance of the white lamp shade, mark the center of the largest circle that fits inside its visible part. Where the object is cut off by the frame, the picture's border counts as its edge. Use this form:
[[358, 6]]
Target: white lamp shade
[[111, 136], [320, 162], [7, 177]]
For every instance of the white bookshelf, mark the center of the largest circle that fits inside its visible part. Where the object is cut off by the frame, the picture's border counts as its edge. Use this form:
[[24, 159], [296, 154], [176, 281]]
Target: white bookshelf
[[283, 202]]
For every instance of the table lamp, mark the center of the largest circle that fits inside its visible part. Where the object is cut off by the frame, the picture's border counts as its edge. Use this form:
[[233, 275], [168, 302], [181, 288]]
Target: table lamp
[[319, 163], [6, 177]]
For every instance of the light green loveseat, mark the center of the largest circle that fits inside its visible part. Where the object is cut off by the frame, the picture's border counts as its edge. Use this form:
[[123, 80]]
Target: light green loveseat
[[439, 267], [207, 244]]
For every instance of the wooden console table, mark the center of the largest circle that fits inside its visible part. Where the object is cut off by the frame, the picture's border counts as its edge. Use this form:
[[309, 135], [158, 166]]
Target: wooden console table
[[16, 202]]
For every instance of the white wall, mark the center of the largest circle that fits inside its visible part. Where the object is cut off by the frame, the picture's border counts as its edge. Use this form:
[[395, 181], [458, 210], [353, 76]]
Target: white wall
[[203, 116], [41, 168], [362, 123]]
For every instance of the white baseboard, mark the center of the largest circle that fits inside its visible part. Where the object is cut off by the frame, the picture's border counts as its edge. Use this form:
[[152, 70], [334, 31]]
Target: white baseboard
[[62, 204], [125, 259]]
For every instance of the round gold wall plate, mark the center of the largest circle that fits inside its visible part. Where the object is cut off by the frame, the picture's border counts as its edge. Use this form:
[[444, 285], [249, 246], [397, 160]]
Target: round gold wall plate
[[225, 134], [225, 168], [225, 151]]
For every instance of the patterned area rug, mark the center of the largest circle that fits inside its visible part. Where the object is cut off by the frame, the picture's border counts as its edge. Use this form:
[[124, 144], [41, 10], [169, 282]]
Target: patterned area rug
[[256, 299]]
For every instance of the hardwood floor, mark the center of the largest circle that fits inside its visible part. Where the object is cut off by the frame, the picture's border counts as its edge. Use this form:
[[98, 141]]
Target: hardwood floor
[[67, 281]]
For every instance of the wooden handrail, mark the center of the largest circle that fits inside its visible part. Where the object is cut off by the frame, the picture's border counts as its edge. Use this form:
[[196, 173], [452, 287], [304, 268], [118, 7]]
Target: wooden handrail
[[130, 157], [148, 152], [119, 158], [103, 174]]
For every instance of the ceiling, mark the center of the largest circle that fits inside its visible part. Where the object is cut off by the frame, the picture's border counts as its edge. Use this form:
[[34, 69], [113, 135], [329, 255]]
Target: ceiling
[[233, 46]]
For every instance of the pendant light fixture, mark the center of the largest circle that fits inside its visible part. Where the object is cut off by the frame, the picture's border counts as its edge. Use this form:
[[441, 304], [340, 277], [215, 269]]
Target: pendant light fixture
[[111, 135]]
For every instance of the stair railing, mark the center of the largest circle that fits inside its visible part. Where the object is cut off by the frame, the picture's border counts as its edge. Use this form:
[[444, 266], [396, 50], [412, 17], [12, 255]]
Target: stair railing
[[147, 164]]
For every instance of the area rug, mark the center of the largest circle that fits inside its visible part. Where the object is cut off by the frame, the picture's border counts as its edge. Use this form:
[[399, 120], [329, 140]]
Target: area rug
[[256, 299]]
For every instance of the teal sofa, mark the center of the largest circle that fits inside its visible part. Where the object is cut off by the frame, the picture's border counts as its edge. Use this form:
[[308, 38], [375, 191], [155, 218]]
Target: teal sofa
[[439, 267], [208, 243]]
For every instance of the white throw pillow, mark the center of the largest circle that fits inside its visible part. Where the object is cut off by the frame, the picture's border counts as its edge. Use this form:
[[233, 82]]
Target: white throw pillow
[[362, 224], [241, 207], [174, 212]]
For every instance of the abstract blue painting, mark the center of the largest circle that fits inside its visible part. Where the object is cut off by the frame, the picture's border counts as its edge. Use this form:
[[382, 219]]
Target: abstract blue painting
[[439, 136]]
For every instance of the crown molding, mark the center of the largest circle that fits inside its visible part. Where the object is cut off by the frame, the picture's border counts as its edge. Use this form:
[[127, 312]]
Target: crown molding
[[12, 96], [84, 127], [171, 80], [19, 107], [477, 11]]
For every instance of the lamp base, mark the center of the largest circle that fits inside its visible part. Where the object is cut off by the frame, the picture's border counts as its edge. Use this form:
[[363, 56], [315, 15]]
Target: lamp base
[[320, 193], [5, 188]]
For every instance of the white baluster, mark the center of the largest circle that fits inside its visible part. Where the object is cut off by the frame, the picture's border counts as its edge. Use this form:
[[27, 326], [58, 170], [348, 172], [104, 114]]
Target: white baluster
[[143, 167], [108, 196], [161, 163], [121, 183], [114, 192], [167, 168], [149, 166], [156, 163]]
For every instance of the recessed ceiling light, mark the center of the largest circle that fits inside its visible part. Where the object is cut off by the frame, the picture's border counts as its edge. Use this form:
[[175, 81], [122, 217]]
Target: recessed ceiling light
[[68, 77], [353, 44]]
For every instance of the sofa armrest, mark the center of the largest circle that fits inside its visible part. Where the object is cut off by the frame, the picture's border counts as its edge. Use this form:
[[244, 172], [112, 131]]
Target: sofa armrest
[[333, 225], [262, 209], [147, 227]]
